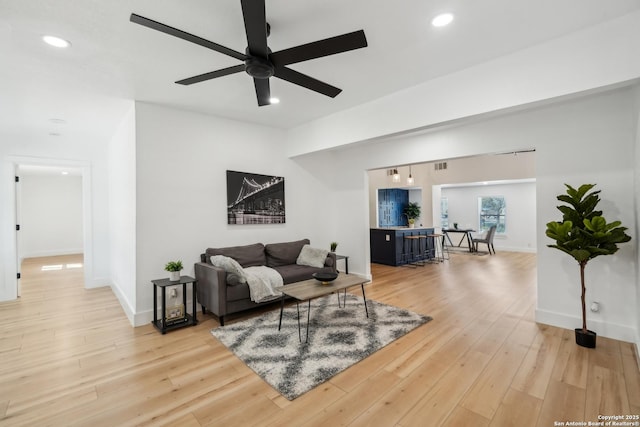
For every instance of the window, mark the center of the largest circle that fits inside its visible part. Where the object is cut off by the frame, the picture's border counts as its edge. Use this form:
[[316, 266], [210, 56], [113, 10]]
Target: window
[[492, 211], [444, 212]]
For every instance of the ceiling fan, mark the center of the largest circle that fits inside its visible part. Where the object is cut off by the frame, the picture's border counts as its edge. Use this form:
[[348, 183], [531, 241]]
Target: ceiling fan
[[259, 62]]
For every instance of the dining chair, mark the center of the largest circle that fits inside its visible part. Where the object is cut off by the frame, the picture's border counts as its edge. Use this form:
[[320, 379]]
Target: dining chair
[[488, 240]]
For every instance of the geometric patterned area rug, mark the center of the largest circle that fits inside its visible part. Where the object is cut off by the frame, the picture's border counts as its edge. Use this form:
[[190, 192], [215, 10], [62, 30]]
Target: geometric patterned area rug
[[338, 338]]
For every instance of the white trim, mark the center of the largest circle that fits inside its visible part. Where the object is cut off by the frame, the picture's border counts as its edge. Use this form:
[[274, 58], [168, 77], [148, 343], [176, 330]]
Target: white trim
[[38, 254], [124, 302], [87, 225], [8, 245], [144, 318], [609, 330], [488, 183]]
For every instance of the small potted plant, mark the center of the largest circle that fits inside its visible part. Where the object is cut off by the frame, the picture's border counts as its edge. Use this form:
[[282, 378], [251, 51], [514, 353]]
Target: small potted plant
[[412, 212], [584, 234], [174, 268], [333, 246]]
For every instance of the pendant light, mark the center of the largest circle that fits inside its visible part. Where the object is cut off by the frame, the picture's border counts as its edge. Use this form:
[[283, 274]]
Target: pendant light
[[410, 179], [396, 175]]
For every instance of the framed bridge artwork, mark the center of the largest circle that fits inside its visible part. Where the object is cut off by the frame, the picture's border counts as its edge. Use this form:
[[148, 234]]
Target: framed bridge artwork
[[254, 198]]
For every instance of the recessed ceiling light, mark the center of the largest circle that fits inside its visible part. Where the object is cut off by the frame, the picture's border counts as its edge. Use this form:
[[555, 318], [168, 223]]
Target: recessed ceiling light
[[58, 121], [442, 20], [64, 173], [274, 100], [54, 134], [56, 41]]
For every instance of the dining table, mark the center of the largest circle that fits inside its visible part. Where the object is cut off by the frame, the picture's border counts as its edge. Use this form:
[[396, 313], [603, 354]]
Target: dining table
[[466, 234]]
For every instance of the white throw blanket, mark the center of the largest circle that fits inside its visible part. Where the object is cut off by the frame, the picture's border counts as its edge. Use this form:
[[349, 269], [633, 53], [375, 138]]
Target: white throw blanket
[[262, 281]]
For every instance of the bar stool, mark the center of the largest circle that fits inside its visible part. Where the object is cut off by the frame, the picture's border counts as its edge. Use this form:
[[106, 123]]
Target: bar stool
[[445, 248], [438, 247], [425, 251], [410, 255]]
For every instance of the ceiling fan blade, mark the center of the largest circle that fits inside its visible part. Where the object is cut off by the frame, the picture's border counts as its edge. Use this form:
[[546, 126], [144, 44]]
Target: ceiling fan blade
[[150, 23], [212, 75], [320, 48], [255, 25], [263, 91], [303, 80]]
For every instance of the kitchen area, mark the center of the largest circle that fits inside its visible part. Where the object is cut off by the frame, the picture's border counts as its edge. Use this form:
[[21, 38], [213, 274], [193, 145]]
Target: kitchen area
[[400, 238]]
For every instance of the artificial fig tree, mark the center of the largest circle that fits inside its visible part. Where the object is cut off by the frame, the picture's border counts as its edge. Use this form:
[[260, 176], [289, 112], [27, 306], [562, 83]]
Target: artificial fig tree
[[584, 234]]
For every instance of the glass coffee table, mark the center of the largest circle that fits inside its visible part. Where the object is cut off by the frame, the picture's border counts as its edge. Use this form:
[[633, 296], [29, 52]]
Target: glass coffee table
[[312, 288]]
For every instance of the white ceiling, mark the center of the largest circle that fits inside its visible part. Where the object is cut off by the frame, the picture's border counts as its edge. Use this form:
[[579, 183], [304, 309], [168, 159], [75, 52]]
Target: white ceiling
[[113, 61]]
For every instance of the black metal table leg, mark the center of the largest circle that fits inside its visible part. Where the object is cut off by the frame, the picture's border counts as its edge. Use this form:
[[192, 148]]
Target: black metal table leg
[[155, 304], [364, 297], [281, 310], [299, 328], [194, 291], [308, 316], [164, 311], [184, 298], [344, 299]]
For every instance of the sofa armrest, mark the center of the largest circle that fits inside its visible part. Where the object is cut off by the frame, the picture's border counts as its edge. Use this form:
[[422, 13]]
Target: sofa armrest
[[212, 288], [331, 262]]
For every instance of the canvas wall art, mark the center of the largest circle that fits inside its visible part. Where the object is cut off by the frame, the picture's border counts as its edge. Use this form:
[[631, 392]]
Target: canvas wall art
[[254, 198]]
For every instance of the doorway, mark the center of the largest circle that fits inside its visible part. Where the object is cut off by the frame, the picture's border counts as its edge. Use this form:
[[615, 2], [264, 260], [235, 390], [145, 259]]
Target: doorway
[[52, 211]]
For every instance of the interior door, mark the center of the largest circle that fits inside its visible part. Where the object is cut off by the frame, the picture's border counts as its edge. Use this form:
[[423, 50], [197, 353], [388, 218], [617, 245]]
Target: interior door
[[18, 234]]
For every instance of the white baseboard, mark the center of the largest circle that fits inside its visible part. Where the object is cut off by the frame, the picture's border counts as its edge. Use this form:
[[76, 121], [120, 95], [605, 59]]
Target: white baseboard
[[124, 302], [145, 317], [515, 249], [52, 252], [604, 329], [98, 282]]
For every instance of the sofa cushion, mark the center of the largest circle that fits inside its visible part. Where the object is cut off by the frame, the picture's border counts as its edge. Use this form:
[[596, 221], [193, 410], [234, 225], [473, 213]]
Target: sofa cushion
[[247, 255], [235, 293], [313, 257], [283, 253]]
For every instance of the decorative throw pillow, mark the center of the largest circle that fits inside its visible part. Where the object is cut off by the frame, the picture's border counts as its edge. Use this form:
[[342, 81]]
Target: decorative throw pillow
[[235, 272], [312, 257]]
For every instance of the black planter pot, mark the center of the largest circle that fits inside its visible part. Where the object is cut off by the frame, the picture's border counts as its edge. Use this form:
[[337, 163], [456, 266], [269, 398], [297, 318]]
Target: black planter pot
[[585, 339]]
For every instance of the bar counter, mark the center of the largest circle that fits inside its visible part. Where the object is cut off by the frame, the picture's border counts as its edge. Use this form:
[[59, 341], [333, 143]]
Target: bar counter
[[388, 245]]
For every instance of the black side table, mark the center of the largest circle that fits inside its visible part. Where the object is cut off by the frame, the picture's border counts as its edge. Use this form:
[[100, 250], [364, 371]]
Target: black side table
[[346, 262], [163, 324]]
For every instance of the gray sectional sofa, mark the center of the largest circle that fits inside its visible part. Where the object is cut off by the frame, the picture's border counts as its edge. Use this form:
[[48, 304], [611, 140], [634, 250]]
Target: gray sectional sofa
[[220, 294]]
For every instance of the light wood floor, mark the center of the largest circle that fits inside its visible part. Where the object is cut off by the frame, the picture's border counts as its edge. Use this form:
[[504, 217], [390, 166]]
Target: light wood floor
[[70, 357]]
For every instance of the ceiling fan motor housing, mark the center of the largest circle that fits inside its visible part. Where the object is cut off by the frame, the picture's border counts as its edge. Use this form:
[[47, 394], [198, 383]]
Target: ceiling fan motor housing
[[257, 67]]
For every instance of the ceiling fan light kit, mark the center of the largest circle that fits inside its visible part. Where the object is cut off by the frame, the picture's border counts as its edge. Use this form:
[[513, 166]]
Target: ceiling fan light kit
[[258, 60]]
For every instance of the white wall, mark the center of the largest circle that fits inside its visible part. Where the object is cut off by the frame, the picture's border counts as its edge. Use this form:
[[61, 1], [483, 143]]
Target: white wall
[[590, 139], [122, 213], [50, 215], [594, 144], [181, 164], [520, 200]]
